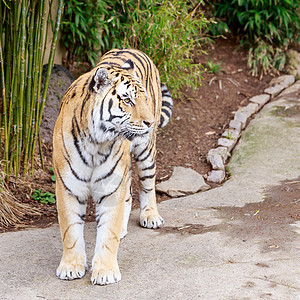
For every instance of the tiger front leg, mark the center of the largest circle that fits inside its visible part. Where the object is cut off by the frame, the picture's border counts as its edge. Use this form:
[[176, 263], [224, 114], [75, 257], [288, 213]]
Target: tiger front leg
[[70, 215], [149, 216], [110, 215]]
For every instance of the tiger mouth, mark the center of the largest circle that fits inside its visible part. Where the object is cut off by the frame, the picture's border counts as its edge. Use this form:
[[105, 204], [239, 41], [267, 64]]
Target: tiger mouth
[[131, 134]]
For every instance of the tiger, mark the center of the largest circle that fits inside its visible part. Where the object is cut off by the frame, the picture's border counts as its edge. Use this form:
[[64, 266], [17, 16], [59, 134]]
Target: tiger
[[107, 116]]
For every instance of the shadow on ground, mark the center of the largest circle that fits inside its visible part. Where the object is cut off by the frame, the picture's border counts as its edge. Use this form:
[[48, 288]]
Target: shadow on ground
[[268, 220]]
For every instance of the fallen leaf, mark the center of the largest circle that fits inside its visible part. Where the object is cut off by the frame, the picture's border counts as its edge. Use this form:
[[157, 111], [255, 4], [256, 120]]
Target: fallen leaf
[[210, 132]]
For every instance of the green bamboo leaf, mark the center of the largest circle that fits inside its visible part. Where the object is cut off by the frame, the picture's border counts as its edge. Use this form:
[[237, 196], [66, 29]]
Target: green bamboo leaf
[[257, 20], [76, 20]]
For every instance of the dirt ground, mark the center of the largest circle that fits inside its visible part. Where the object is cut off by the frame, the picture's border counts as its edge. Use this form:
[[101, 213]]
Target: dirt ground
[[198, 120]]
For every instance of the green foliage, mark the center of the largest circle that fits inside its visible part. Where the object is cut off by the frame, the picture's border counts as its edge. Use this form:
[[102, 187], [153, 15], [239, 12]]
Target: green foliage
[[116, 17], [80, 29], [168, 32], [227, 172], [265, 57], [53, 178], [219, 28], [91, 27], [214, 67], [266, 27], [46, 198]]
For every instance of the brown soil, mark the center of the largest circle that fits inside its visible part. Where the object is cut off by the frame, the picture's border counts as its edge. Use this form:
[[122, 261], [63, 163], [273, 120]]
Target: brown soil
[[198, 120]]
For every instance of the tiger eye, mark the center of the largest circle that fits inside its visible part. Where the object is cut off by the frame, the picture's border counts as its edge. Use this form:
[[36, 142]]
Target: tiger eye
[[127, 101]]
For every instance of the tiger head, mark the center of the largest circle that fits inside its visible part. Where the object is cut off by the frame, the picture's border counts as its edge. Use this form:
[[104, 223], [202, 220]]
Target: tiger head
[[121, 106]]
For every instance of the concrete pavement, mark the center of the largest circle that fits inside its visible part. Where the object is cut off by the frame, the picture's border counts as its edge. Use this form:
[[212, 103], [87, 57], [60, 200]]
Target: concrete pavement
[[213, 245]]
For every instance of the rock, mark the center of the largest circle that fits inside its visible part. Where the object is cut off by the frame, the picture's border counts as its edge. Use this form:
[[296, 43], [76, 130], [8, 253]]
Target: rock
[[241, 116], [291, 90], [184, 181], [229, 144], [293, 64], [245, 112], [261, 100], [222, 151], [252, 108], [216, 176], [60, 80], [216, 161], [231, 134], [278, 84], [235, 124]]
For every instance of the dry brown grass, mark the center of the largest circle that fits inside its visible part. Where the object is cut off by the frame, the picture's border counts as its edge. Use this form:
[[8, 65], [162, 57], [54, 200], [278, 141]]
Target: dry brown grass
[[12, 212]]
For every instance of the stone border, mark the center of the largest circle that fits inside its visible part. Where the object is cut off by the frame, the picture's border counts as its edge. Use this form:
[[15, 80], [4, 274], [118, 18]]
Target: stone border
[[217, 157]]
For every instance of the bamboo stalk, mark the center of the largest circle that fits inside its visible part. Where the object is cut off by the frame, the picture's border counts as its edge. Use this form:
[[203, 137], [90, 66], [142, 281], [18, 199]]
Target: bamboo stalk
[[36, 79], [40, 75], [27, 117], [41, 152], [8, 67], [39, 66], [21, 85], [33, 87], [13, 83], [50, 66], [51, 57], [2, 12], [16, 95], [44, 51], [4, 99]]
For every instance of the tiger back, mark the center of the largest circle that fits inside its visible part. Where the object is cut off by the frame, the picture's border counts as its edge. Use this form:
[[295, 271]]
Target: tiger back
[[107, 115]]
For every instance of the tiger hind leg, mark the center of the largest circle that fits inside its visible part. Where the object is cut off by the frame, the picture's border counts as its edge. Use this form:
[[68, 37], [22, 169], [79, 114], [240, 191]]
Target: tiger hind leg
[[70, 215], [166, 108]]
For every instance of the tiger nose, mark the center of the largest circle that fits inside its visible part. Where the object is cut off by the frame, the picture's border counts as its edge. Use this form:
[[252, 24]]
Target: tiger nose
[[148, 123]]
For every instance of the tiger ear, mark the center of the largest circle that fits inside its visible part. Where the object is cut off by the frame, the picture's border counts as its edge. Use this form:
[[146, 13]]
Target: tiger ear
[[129, 66], [100, 81]]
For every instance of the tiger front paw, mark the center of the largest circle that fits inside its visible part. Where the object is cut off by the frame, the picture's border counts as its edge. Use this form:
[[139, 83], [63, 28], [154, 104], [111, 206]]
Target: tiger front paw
[[70, 271], [151, 221], [103, 276]]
